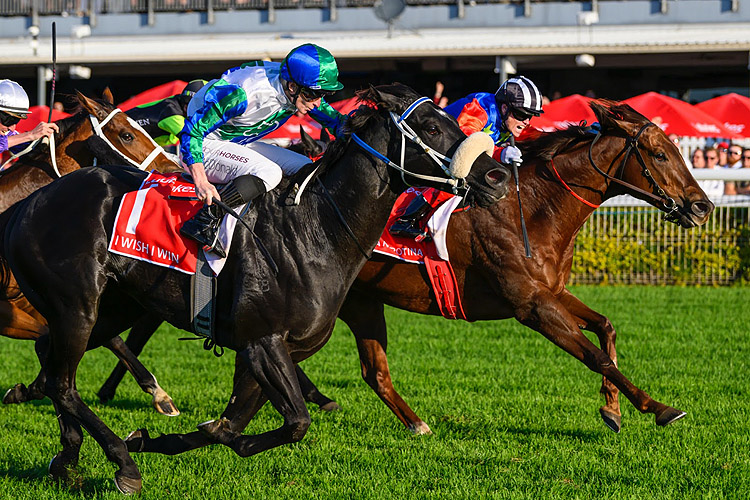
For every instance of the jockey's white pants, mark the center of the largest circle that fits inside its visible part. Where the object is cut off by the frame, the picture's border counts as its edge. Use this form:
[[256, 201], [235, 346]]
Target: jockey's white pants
[[224, 161]]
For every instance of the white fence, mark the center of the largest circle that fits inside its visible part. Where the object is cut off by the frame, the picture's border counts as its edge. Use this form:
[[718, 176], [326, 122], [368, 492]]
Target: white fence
[[626, 241]]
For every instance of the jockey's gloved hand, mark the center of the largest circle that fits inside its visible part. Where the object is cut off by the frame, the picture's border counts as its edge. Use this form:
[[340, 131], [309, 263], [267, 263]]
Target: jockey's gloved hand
[[511, 154]]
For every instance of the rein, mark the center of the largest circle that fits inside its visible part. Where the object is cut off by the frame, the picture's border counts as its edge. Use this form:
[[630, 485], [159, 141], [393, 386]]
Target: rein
[[97, 126], [408, 133], [631, 145]]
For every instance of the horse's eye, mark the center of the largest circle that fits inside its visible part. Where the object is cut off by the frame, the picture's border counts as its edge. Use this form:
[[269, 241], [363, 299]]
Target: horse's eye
[[127, 137], [432, 130], [660, 156]]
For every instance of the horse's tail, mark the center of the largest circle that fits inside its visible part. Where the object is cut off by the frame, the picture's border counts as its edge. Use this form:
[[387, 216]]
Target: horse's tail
[[8, 286]]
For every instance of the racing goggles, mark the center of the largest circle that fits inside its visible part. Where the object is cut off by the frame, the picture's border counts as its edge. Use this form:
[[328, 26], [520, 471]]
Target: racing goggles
[[313, 95], [520, 114], [8, 119]]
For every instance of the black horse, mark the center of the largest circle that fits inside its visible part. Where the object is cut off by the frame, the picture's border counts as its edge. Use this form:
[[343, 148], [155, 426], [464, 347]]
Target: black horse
[[89, 295]]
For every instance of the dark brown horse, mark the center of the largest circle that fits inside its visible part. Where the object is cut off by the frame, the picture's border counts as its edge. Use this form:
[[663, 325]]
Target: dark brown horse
[[498, 282], [98, 130], [271, 321]]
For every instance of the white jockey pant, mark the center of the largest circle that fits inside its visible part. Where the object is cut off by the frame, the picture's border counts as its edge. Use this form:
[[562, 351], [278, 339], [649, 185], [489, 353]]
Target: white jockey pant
[[224, 161]]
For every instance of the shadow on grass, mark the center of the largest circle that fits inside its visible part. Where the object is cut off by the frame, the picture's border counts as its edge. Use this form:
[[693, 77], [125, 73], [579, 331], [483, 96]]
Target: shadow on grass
[[78, 486]]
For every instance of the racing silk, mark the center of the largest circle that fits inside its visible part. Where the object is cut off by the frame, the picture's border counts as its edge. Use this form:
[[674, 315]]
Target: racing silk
[[479, 112], [163, 120], [4, 140], [245, 104]]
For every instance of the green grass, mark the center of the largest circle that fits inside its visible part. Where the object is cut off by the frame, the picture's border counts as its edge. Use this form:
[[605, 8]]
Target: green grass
[[513, 416]]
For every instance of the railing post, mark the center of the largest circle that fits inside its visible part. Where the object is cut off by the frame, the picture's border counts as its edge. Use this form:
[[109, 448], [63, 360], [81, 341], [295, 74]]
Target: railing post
[[271, 12], [334, 12], [150, 12], [663, 6], [735, 5], [210, 18], [92, 13], [35, 13], [526, 8], [461, 8]]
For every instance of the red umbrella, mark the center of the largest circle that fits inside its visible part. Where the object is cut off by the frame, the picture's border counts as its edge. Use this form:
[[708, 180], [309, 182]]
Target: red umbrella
[[38, 114], [674, 116], [733, 110], [561, 113], [155, 94]]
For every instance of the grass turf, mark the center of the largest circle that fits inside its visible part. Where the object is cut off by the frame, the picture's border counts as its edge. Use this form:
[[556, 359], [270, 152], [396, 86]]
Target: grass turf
[[513, 416]]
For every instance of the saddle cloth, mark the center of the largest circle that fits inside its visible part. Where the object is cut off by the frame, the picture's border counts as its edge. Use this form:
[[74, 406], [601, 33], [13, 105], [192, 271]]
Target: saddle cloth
[[433, 254], [148, 222]]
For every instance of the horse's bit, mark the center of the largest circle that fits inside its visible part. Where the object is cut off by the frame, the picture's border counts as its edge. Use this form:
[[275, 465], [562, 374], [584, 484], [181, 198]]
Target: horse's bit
[[631, 144], [97, 126]]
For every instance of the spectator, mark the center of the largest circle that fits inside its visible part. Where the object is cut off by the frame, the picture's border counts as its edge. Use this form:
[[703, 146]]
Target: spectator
[[734, 156], [438, 98], [740, 187], [721, 148], [714, 188], [698, 159]]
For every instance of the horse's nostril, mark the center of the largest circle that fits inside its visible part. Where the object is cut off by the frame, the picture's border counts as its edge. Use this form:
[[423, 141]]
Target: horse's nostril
[[497, 177], [700, 208]]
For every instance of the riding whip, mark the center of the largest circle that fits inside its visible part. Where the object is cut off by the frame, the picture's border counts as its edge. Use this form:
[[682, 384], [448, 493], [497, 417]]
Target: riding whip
[[515, 165], [54, 70]]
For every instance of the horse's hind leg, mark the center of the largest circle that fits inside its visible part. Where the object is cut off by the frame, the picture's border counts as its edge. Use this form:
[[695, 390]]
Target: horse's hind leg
[[139, 334], [246, 400], [545, 314], [271, 366], [35, 391], [71, 438], [312, 394], [591, 320], [366, 319]]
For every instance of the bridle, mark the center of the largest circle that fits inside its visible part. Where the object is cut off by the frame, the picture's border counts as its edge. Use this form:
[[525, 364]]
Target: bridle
[[97, 126], [457, 185], [665, 203]]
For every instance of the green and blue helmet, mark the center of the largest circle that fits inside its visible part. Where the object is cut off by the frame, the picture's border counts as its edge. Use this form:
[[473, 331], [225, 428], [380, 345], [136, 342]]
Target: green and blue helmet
[[312, 67]]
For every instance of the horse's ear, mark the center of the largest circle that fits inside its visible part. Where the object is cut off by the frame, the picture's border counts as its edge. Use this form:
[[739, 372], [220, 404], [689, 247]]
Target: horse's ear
[[107, 95], [309, 145], [325, 137], [614, 115], [90, 105]]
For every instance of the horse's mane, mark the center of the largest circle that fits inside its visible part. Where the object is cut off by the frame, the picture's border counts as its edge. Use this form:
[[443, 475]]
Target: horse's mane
[[372, 105], [612, 115]]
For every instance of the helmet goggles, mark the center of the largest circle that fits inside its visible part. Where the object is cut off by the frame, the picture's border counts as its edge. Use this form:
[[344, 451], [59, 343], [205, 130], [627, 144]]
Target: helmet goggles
[[9, 119], [312, 94], [521, 114]]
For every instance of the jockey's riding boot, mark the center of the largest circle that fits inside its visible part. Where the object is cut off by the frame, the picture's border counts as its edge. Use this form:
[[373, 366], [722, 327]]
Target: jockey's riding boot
[[408, 224], [203, 227]]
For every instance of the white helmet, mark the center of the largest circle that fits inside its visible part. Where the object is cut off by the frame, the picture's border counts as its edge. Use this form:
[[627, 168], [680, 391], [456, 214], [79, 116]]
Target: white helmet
[[13, 98]]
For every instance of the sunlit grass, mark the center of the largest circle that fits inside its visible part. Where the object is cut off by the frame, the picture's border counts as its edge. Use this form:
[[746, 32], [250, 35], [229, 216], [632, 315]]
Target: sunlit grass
[[513, 416]]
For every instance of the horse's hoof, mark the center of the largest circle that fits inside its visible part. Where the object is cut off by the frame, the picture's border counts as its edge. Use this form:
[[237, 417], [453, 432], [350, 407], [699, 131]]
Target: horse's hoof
[[127, 485], [420, 429], [165, 406], [331, 406], [669, 415], [57, 471], [136, 440], [611, 420], [15, 395]]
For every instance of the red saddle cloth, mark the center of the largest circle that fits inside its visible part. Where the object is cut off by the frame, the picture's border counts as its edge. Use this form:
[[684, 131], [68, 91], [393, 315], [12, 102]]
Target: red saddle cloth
[[440, 271], [148, 222]]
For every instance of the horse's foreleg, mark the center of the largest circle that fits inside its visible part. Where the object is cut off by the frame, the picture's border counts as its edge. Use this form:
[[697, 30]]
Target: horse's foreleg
[[366, 319], [71, 438], [139, 334], [35, 391], [549, 317], [591, 320], [269, 363], [145, 379], [312, 394]]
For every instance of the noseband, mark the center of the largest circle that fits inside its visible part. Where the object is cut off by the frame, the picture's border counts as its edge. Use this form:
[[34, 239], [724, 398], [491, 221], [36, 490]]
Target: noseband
[[407, 132], [97, 126], [668, 205]]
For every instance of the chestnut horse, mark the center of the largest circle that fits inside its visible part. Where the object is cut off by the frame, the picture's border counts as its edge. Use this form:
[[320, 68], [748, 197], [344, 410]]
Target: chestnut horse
[[98, 131], [566, 175], [270, 321]]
